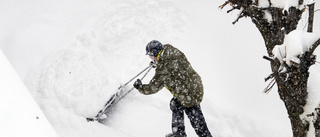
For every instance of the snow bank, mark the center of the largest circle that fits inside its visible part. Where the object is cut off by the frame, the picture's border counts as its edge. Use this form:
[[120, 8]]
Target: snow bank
[[20, 115], [295, 43]]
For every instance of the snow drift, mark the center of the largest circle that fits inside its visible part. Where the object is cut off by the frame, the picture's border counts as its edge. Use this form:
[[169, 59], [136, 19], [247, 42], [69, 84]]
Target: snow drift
[[20, 114], [87, 62]]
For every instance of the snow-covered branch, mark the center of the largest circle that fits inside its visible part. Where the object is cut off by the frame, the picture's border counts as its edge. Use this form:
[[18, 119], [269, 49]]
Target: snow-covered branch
[[296, 44], [264, 8]]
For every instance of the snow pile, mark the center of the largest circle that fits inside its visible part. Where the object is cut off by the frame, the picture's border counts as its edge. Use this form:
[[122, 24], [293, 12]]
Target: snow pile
[[20, 114], [76, 82], [295, 44]]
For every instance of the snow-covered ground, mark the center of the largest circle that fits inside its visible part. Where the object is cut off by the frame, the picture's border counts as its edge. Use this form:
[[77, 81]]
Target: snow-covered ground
[[20, 114], [72, 55]]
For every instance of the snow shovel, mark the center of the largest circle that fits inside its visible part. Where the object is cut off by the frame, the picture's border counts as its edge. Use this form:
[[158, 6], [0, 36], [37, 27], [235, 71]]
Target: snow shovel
[[116, 97]]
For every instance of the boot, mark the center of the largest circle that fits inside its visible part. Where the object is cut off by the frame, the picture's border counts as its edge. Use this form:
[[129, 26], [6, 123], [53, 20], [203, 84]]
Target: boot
[[174, 135]]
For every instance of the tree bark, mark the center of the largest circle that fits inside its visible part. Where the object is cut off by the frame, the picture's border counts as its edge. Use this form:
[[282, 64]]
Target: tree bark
[[311, 16], [292, 85]]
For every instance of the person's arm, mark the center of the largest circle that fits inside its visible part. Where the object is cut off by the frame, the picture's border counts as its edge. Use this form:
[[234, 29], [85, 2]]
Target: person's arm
[[156, 84]]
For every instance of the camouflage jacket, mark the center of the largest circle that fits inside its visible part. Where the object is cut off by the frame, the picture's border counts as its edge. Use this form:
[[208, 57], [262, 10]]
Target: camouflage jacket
[[176, 74]]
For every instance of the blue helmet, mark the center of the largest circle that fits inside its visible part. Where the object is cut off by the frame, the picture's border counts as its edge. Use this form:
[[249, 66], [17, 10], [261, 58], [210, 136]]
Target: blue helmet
[[153, 48]]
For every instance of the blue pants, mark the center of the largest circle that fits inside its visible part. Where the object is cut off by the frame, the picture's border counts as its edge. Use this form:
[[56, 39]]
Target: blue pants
[[195, 116]]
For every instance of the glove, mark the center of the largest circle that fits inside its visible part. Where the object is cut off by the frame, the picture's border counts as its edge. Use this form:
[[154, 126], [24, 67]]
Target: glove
[[153, 64], [137, 84]]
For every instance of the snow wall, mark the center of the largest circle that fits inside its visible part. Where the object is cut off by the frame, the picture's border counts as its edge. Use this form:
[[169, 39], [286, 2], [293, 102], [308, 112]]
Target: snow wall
[[20, 115]]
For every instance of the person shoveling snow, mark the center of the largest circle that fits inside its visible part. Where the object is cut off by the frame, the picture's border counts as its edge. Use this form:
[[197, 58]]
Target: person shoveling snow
[[174, 72]]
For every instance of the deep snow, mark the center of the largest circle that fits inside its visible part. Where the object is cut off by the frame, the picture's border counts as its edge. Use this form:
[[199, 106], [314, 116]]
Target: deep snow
[[73, 55], [20, 114]]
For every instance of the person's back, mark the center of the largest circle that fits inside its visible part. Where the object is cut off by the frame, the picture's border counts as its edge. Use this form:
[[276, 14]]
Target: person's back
[[183, 81]]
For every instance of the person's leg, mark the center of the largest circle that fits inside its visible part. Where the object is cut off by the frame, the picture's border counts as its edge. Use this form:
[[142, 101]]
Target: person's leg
[[178, 128], [197, 121]]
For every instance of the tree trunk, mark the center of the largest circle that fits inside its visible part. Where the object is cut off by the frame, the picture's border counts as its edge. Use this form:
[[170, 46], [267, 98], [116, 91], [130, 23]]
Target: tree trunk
[[292, 89], [292, 85]]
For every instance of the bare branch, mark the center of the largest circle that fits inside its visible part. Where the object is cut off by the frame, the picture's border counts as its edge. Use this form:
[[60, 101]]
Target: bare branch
[[224, 4], [237, 19], [270, 86], [233, 9], [268, 58], [270, 76], [314, 46], [311, 16]]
